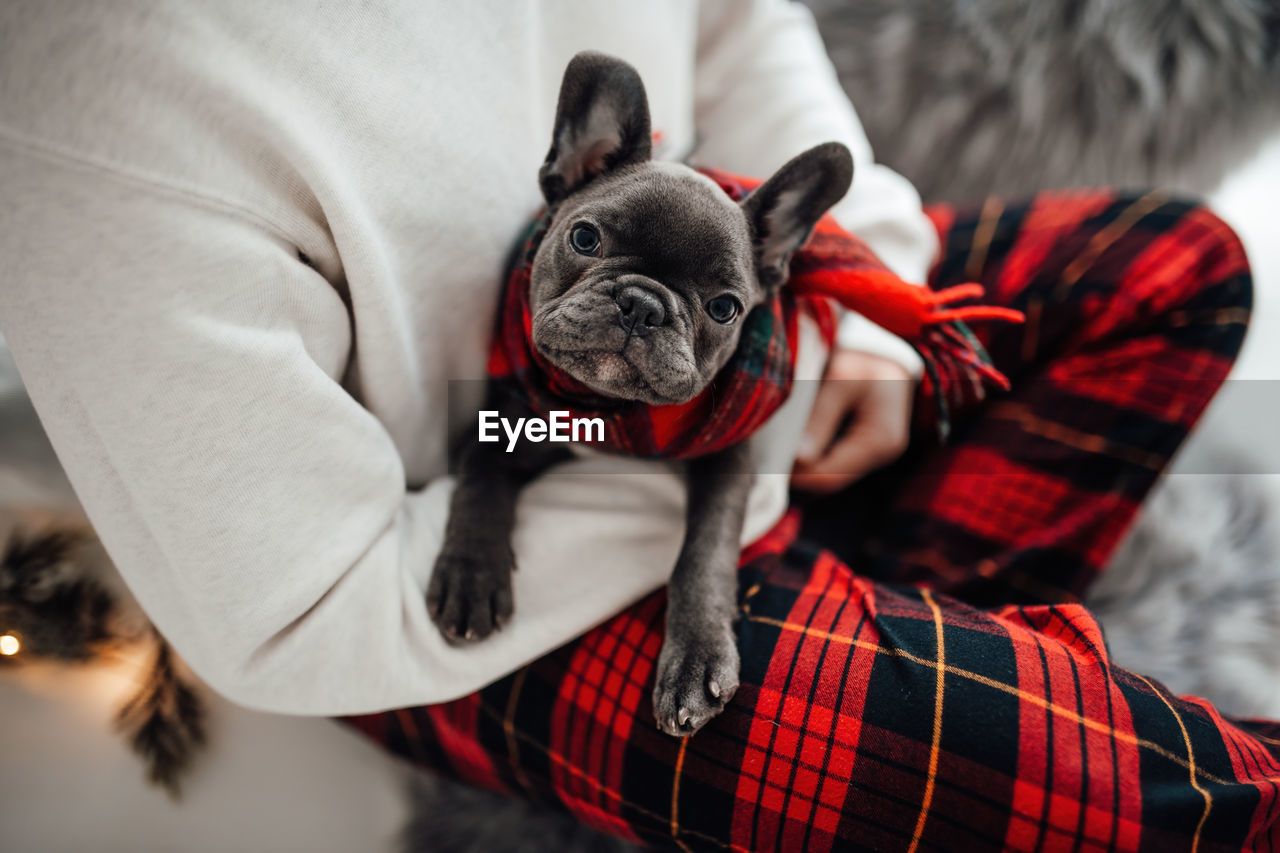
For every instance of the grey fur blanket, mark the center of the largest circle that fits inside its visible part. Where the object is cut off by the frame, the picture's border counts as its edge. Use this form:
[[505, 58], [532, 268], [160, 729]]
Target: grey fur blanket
[[969, 98], [1192, 597]]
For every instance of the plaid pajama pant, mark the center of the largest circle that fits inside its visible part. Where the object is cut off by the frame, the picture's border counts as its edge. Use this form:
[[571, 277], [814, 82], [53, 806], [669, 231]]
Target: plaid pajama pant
[[917, 672]]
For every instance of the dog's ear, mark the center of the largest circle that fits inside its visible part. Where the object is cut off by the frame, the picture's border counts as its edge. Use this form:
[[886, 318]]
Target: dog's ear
[[602, 123], [783, 210]]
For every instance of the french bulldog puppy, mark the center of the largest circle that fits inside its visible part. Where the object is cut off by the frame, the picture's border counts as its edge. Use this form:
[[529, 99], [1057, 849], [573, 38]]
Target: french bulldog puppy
[[638, 291]]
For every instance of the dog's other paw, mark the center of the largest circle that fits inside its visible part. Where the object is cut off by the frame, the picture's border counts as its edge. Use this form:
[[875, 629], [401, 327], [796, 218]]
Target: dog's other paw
[[697, 676], [469, 596]]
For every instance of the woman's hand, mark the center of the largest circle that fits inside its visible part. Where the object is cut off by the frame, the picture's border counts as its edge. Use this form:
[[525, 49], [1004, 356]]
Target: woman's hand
[[861, 420]]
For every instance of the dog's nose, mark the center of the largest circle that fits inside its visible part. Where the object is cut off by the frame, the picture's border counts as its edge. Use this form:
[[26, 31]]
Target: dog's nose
[[639, 310]]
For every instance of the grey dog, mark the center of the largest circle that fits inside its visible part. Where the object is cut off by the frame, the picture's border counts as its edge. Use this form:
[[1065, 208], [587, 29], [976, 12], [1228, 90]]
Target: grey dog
[[638, 291]]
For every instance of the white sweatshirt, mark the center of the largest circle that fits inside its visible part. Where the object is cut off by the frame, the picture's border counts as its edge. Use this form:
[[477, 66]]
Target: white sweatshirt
[[261, 441]]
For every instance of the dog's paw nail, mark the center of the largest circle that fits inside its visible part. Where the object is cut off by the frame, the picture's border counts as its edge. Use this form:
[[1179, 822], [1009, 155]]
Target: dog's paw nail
[[470, 635], [714, 687], [684, 716]]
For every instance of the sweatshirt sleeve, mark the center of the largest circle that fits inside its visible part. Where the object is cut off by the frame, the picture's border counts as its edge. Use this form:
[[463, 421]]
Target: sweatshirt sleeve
[[183, 362], [766, 91]]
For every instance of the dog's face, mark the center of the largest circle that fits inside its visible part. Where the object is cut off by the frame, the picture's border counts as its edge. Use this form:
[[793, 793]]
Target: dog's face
[[648, 269], [640, 286]]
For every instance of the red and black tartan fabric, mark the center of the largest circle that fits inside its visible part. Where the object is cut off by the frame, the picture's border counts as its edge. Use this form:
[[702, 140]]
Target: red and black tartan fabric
[[916, 670]]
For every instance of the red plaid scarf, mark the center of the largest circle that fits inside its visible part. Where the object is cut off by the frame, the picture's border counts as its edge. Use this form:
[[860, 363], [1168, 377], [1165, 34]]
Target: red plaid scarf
[[832, 265]]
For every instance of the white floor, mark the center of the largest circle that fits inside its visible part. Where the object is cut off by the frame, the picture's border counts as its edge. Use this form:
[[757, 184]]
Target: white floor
[[282, 784]]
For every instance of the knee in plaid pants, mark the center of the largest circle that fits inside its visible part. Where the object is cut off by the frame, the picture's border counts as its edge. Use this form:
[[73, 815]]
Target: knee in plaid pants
[[917, 670]]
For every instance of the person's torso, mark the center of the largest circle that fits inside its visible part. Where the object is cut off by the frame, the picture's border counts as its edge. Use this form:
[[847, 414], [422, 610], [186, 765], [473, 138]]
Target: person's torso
[[395, 145]]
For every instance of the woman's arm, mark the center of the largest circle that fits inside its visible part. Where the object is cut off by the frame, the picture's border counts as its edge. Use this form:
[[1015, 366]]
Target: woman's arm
[[183, 362]]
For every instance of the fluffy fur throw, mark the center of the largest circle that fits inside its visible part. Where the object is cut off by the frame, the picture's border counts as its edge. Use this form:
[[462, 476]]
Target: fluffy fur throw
[[1192, 597], [1003, 97]]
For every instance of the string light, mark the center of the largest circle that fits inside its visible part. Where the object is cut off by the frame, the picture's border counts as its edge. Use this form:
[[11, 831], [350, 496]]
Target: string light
[[9, 645]]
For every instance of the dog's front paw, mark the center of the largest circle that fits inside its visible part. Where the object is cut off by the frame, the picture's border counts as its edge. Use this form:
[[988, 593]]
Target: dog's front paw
[[469, 596], [697, 676]]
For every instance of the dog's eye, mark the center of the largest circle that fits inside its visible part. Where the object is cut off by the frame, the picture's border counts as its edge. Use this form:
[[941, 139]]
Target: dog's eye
[[723, 309], [584, 239]]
